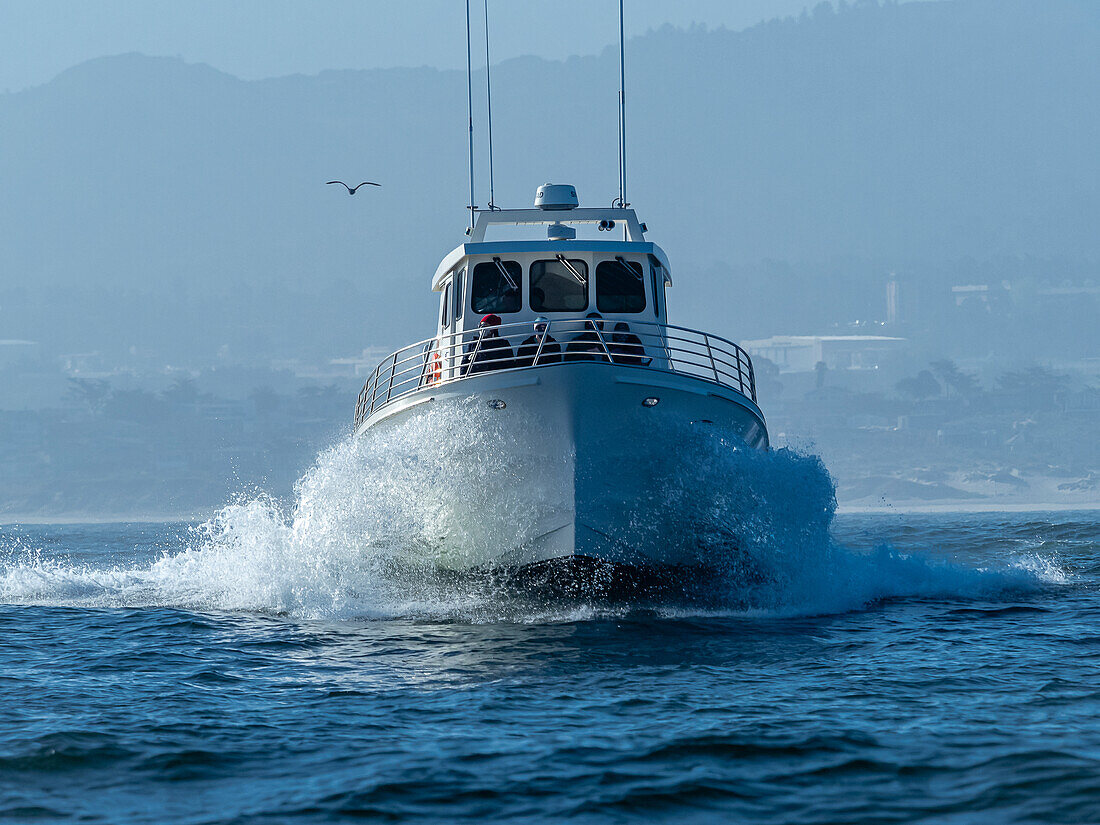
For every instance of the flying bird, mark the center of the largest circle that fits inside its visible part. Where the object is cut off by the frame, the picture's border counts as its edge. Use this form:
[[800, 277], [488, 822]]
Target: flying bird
[[353, 190]]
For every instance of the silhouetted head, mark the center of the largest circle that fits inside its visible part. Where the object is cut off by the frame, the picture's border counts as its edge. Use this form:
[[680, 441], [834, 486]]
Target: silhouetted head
[[488, 324], [622, 326], [540, 325], [595, 319]]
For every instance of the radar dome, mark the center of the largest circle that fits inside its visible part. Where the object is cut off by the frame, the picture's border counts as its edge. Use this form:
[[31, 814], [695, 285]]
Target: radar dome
[[556, 196]]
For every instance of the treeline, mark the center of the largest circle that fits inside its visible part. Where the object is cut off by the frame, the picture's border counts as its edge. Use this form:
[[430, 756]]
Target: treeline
[[1035, 387]]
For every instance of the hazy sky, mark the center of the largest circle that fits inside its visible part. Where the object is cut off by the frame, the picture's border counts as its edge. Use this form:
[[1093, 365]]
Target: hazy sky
[[264, 38]]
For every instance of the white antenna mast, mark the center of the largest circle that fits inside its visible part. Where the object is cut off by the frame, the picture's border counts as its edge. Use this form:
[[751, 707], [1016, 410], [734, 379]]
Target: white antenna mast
[[489, 106], [622, 111], [470, 112]]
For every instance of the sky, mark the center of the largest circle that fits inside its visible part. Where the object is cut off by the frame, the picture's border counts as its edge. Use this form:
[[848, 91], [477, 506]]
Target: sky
[[267, 38]]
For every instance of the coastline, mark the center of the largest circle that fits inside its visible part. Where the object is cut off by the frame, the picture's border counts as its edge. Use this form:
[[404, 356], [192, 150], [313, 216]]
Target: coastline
[[39, 519], [919, 508]]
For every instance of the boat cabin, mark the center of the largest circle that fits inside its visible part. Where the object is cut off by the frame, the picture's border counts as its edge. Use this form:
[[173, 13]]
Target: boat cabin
[[559, 277], [563, 280]]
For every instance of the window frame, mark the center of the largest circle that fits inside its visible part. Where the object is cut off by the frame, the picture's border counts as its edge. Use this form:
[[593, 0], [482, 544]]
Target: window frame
[[640, 275], [518, 276], [580, 264], [657, 280], [459, 296]]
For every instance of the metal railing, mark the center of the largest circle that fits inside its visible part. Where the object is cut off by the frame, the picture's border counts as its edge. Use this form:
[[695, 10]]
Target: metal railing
[[517, 346]]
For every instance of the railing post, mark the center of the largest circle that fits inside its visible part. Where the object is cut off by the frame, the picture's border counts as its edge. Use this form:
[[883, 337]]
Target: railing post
[[393, 369], [710, 355], [473, 355], [662, 331], [742, 362], [374, 388], [426, 366], [454, 356], [603, 343], [542, 340]]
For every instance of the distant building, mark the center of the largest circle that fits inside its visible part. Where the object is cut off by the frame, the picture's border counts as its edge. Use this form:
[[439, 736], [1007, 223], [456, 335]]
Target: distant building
[[892, 300], [970, 292], [333, 369], [359, 365], [984, 296], [802, 353]]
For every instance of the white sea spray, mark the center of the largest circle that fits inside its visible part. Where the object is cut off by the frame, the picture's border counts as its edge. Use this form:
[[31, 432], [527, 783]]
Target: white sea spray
[[378, 517]]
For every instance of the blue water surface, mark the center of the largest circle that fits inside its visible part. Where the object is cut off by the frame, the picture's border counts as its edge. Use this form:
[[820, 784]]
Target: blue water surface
[[956, 678]]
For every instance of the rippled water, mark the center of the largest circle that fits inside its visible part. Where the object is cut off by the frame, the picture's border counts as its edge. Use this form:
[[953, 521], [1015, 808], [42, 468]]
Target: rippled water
[[271, 667], [975, 698]]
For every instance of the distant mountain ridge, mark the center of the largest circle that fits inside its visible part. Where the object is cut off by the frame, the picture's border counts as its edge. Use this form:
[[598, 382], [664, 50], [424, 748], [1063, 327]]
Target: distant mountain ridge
[[921, 131]]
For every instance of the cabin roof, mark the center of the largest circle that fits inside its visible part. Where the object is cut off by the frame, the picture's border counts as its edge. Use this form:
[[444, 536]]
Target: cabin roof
[[457, 256], [633, 242], [530, 217]]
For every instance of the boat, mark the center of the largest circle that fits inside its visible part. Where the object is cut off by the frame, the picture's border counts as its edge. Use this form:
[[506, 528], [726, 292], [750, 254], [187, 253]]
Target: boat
[[567, 341]]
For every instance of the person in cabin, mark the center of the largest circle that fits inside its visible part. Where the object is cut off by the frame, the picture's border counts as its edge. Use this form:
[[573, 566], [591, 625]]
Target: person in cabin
[[488, 351], [589, 345], [529, 349], [626, 347]]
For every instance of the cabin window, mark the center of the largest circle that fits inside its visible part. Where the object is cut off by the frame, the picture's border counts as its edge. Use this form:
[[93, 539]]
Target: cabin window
[[658, 282], [444, 315], [559, 285], [460, 276], [620, 286], [496, 287]]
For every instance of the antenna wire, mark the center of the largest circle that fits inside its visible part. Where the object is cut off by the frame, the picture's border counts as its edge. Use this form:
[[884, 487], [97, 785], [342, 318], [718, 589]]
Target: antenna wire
[[489, 107], [470, 110], [622, 110]]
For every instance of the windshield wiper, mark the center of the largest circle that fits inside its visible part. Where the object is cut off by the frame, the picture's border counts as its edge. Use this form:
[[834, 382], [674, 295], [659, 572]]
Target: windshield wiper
[[507, 276], [637, 273], [572, 270]]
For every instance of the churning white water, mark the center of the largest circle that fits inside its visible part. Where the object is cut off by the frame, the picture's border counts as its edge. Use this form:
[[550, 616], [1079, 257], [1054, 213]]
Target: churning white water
[[379, 519]]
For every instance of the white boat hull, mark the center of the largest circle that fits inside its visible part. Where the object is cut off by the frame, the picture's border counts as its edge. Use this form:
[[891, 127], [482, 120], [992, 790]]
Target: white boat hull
[[598, 463]]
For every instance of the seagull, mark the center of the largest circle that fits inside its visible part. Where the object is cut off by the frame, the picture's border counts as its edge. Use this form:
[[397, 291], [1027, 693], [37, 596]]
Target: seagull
[[353, 190]]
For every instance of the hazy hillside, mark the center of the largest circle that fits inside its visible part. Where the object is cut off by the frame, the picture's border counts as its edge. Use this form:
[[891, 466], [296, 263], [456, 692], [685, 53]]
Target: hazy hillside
[[167, 208]]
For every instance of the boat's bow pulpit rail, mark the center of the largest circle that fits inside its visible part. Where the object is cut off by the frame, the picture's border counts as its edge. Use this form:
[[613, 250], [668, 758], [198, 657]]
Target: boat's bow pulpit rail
[[646, 345]]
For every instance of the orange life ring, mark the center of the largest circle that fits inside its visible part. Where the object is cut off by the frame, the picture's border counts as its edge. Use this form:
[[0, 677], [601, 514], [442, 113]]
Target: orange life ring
[[435, 368]]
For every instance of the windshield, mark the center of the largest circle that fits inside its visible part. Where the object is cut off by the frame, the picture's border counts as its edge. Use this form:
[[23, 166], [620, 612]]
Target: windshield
[[555, 286], [620, 287], [497, 287]]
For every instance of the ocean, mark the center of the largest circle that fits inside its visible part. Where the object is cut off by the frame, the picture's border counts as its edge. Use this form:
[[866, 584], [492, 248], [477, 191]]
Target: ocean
[[268, 667]]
